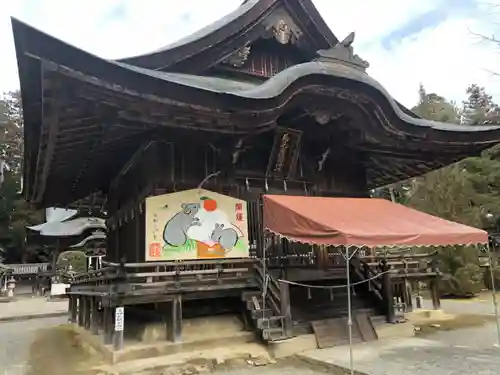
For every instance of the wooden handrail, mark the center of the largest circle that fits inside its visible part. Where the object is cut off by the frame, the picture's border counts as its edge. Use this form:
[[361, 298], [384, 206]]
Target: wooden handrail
[[273, 289], [401, 256], [113, 272], [188, 263], [184, 273]]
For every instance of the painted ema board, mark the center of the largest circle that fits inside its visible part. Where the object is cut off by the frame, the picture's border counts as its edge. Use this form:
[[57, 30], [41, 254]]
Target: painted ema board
[[196, 224]]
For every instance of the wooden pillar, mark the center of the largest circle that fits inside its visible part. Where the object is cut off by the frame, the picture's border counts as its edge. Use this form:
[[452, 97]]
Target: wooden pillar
[[137, 235], [118, 328], [73, 309], [408, 296], [174, 328], [282, 257], [388, 293], [81, 311], [70, 303], [108, 325], [433, 288], [285, 309], [94, 316], [88, 312], [117, 242], [320, 256]]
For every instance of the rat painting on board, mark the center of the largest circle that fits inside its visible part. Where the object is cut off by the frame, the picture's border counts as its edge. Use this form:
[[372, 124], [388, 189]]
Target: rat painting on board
[[195, 224]]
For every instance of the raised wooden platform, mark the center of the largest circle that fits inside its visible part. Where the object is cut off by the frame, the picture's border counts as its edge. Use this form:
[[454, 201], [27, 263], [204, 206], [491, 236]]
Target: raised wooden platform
[[277, 303]]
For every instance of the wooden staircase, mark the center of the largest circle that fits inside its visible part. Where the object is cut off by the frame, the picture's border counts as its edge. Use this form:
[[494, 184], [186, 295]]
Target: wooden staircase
[[372, 289], [269, 308]]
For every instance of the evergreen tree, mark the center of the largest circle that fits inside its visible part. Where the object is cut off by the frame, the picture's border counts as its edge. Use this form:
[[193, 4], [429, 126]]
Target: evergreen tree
[[434, 107], [479, 108], [469, 190], [11, 132], [15, 213]]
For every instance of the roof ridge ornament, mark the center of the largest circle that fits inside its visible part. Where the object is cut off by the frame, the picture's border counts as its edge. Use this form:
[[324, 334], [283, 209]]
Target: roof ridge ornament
[[282, 32], [280, 26], [343, 53]]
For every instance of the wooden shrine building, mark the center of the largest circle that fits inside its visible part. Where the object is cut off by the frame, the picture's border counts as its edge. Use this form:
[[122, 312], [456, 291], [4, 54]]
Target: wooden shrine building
[[265, 101]]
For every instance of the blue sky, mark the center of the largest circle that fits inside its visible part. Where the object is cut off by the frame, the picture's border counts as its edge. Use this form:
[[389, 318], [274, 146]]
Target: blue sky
[[439, 13], [405, 41]]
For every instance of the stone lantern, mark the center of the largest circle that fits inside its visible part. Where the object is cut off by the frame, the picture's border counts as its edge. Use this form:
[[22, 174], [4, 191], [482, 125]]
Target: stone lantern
[[11, 285]]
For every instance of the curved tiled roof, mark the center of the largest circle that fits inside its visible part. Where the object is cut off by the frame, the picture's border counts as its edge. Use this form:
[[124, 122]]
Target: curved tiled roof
[[232, 27], [257, 104]]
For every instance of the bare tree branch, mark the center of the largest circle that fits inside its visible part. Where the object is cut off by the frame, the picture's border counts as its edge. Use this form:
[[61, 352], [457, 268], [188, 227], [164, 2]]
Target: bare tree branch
[[484, 38]]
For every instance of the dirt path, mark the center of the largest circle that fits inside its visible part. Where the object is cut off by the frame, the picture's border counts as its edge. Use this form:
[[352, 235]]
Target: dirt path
[[15, 341], [56, 351], [31, 307]]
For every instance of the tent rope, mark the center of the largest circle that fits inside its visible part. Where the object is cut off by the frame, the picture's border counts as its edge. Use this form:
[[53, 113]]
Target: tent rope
[[333, 286]]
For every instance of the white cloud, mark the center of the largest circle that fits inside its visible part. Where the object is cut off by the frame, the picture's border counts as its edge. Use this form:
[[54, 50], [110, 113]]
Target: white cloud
[[445, 58]]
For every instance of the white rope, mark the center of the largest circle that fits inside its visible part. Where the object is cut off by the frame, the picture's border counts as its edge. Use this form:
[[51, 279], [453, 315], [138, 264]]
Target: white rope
[[333, 286]]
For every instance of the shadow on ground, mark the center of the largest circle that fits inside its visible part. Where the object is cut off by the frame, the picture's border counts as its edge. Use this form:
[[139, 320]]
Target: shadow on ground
[[57, 351]]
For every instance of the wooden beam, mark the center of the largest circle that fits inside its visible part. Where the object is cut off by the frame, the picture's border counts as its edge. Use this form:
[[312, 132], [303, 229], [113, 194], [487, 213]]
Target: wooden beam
[[83, 169], [108, 325], [81, 310], [175, 331], [49, 105], [94, 316], [73, 308], [132, 161], [87, 312], [388, 293], [285, 309]]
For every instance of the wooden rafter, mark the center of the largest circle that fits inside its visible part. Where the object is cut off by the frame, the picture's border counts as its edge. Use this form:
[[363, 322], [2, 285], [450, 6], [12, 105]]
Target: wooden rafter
[[51, 103]]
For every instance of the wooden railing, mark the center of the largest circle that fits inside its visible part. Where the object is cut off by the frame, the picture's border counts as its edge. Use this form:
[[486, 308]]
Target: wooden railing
[[276, 294], [269, 287], [395, 271], [364, 271], [174, 276]]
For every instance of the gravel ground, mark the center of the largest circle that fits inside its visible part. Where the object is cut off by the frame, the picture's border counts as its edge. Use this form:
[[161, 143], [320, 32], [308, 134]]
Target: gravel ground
[[413, 356], [461, 352], [31, 307], [275, 370], [289, 366], [482, 304], [15, 341]]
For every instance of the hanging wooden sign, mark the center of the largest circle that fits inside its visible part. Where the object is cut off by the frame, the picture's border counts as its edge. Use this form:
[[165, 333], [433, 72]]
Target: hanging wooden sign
[[284, 154]]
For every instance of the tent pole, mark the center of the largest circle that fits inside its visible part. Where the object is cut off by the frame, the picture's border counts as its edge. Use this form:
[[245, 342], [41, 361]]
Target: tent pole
[[348, 258], [493, 294]]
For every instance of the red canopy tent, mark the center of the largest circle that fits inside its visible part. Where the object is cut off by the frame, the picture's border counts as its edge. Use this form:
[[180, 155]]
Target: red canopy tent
[[361, 222]]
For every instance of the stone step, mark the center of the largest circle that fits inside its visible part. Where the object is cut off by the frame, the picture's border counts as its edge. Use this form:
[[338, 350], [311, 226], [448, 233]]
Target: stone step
[[274, 333], [248, 294], [200, 361], [262, 313], [271, 322]]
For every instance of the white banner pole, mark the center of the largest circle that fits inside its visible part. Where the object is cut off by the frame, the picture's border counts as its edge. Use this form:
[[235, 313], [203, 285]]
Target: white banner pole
[[493, 294]]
